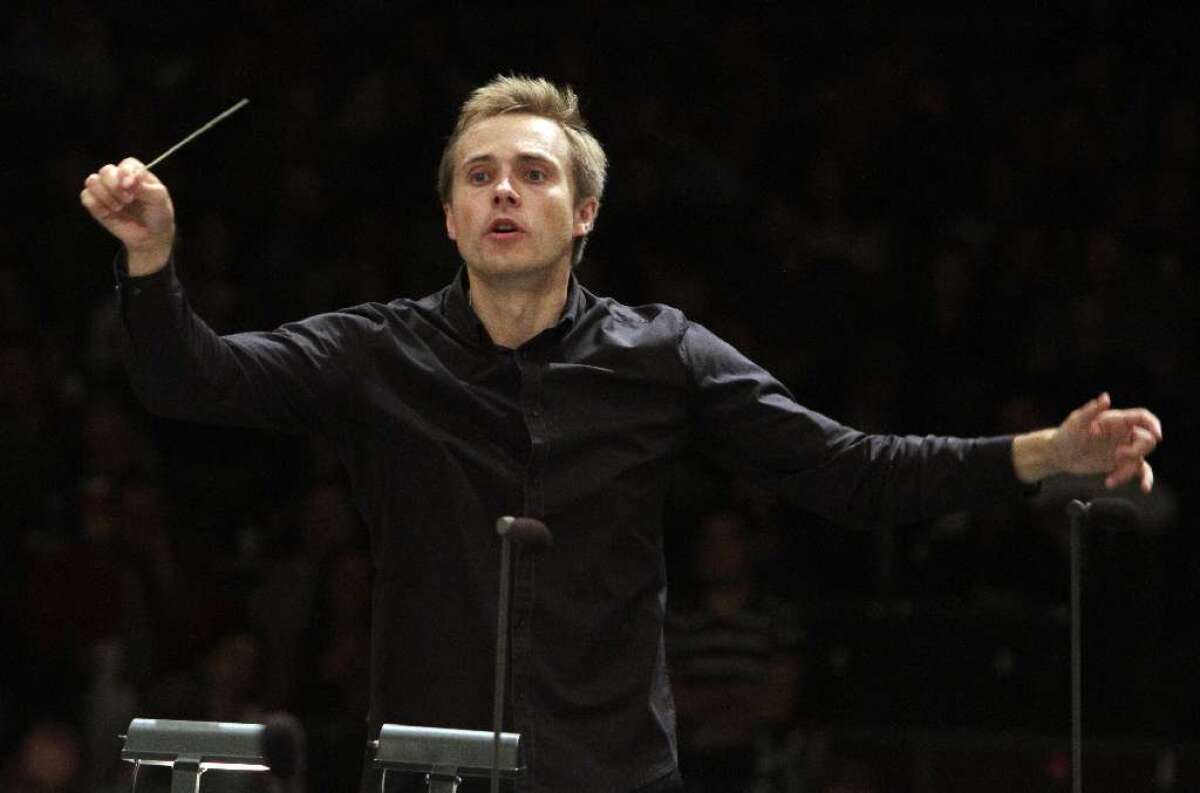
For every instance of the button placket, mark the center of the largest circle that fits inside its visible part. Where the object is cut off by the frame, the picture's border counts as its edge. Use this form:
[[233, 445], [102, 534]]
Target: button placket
[[524, 568]]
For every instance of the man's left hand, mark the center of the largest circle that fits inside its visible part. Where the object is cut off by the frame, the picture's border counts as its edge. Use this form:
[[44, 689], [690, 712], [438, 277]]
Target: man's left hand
[[1096, 439]]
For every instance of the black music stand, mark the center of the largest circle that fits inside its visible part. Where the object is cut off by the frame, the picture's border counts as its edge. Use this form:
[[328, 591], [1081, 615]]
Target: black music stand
[[189, 748], [445, 756]]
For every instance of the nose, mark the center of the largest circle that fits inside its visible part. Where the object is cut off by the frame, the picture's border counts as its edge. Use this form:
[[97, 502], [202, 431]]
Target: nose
[[504, 193]]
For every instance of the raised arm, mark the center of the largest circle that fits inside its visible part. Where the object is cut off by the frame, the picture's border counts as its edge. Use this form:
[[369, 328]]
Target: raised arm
[[290, 379]]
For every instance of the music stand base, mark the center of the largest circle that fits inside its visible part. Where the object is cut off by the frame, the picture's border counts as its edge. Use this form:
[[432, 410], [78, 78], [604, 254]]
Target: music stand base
[[435, 783], [185, 775], [443, 784]]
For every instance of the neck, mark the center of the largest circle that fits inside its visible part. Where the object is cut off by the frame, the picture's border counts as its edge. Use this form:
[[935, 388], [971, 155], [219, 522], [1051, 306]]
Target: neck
[[514, 309]]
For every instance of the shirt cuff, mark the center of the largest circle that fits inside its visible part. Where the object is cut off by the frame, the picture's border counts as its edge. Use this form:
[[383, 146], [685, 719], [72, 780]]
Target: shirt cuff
[[995, 456], [131, 286]]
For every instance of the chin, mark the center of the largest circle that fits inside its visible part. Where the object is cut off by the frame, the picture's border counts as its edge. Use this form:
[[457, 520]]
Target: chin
[[501, 266]]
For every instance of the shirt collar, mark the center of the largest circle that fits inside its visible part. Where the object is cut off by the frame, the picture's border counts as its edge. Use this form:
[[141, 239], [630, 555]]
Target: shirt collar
[[456, 306]]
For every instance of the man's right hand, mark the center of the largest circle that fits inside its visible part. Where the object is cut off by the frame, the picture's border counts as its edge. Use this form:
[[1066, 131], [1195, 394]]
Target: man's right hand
[[136, 208]]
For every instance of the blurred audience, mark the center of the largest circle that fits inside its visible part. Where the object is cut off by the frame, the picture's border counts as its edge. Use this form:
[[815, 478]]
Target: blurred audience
[[733, 653], [49, 759]]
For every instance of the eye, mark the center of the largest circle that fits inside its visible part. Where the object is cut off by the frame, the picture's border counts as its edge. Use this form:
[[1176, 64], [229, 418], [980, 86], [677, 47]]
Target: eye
[[535, 175], [477, 177]]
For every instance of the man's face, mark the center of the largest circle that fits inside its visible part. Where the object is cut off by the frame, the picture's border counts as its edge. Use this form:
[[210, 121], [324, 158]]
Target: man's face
[[512, 209]]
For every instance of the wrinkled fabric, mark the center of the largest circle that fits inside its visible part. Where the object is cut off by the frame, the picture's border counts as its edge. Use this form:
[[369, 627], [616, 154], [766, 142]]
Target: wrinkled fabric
[[442, 432]]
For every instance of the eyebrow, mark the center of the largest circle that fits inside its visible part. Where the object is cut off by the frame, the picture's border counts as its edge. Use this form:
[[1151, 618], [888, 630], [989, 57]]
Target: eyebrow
[[528, 157]]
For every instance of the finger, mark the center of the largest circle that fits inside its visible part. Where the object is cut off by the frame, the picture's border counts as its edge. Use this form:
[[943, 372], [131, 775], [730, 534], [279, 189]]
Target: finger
[[142, 184], [132, 171], [1123, 473], [1141, 417], [1139, 444], [96, 185], [1086, 414], [1147, 477], [110, 177], [152, 192], [96, 209], [1129, 470], [1121, 422]]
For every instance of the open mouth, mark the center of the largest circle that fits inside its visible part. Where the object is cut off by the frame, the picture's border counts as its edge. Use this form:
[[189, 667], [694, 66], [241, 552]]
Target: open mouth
[[504, 228]]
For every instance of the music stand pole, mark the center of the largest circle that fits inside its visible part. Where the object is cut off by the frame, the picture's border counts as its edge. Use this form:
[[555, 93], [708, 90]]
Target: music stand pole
[[1077, 510]]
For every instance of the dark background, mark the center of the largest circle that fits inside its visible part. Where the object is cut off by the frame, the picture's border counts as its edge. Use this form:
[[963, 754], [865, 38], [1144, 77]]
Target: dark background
[[923, 223]]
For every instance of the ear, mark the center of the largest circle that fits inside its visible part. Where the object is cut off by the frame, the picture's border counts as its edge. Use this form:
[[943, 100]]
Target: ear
[[450, 229], [585, 216]]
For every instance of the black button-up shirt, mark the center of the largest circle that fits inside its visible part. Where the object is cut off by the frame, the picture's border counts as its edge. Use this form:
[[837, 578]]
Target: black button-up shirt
[[441, 432]]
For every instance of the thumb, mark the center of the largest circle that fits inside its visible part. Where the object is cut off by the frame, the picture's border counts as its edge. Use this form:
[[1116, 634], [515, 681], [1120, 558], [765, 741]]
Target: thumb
[[149, 190], [1087, 414], [130, 172], [142, 183]]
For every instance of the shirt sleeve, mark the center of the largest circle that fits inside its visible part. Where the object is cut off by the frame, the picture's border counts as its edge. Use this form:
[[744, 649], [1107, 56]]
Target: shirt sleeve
[[748, 422], [285, 380]]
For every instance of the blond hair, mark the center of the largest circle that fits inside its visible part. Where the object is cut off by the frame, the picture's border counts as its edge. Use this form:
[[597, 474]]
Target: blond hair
[[540, 97]]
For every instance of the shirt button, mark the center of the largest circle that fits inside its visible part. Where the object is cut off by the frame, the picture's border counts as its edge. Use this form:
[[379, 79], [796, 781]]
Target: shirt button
[[536, 412]]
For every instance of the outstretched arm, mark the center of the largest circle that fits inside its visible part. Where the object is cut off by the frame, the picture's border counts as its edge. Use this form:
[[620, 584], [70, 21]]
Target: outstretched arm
[[748, 422], [1094, 439]]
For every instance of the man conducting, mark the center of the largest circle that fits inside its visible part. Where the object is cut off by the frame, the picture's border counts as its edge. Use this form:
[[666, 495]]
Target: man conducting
[[515, 390]]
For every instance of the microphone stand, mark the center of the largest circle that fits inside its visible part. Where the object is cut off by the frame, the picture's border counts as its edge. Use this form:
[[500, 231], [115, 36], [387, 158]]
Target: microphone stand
[[531, 532], [447, 755], [1078, 512], [503, 525]]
